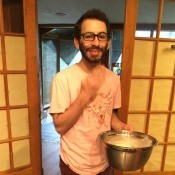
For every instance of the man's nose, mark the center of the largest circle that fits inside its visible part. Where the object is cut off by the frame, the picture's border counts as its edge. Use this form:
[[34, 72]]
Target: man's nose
[[95, 41]]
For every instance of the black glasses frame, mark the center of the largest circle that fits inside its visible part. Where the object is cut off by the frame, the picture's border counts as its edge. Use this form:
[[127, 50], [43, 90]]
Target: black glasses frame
[[93, 35]]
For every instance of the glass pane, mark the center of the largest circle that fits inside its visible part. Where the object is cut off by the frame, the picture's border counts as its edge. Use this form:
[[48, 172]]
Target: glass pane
[[21, 153], [158, 120], [19, 122], [137, 121], [170, 158], [161, 95], [172, 129], [147, 22], [3, 125], [49, 67], [15, 53], [68, 54], [13, 16], [17, 88], [5, 157], [1, 65], [165, 59], [154, 163], [168, 20], [167, 34], [141, 33], [143, 57], [139, 94], [116, 51], [2, 91]]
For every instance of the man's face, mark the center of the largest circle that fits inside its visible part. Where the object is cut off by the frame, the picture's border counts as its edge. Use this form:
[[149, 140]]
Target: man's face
[[93, 51]]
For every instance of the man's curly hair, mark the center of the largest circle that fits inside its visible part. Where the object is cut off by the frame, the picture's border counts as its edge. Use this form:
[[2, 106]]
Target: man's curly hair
[[91, 14]]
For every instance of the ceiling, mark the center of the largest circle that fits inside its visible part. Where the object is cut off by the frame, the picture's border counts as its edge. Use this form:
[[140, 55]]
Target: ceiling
[[48, 11], [55, 15], [69, 11]]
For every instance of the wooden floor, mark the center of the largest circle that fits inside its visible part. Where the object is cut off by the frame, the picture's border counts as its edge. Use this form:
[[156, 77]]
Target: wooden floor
[[50, 149]]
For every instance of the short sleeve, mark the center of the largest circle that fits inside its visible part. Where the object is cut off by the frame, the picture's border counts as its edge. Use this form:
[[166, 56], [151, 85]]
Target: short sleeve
[[117, 94], [59, 95]]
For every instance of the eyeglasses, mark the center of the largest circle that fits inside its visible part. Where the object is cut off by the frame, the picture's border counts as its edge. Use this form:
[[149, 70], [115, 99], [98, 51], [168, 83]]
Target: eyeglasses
[[89, 36]]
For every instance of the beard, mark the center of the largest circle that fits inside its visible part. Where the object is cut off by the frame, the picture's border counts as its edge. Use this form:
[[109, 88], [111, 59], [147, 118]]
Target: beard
[[92, 59]]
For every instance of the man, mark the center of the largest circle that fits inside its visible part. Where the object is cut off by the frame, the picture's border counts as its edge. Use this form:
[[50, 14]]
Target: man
[[83, 100]]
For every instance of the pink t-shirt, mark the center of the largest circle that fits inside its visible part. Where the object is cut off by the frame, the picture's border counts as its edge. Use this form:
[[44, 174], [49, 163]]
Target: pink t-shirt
[[80, 147]]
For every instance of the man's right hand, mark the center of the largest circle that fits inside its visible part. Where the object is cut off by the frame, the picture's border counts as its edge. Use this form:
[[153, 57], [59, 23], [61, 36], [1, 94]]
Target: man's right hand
[[92, 83]]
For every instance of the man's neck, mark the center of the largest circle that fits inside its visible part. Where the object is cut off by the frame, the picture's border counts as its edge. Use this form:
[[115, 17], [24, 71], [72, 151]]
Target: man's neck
[[86, 66]]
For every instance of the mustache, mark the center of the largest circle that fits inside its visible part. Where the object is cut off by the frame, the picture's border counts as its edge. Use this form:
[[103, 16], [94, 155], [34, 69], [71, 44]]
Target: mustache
[[94, 47]]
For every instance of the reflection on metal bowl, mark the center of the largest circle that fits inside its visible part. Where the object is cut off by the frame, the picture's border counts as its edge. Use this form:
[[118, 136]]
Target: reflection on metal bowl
[[127, 152]]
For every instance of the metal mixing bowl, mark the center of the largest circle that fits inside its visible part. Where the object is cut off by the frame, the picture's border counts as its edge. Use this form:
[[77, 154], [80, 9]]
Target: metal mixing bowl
[[130, 155]]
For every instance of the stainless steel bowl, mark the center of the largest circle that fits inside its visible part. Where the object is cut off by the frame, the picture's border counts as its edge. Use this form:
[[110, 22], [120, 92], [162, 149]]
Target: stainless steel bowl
[[127, 157]]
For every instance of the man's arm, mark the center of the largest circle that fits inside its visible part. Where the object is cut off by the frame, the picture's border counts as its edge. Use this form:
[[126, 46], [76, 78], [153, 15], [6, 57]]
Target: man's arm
[[64, 121], [89, 86], [117, 124]]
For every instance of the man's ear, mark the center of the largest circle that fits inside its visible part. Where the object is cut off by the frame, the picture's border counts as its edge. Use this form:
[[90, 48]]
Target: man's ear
[[76, 43]]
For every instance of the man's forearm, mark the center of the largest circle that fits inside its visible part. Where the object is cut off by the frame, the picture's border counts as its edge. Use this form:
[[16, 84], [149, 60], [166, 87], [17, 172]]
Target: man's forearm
[[116, 124], [64, 121]]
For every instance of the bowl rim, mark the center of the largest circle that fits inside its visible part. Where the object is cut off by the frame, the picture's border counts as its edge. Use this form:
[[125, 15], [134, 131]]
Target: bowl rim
[[112, 132]]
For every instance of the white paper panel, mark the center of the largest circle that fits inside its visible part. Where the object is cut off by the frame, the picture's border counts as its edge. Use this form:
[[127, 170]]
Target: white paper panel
[[137, 121], [2, 91], [15, 53], [21, 153], [19, 122], [170, 158], [4, 157], [143, 55], [139, 94], [174, 104], [17, 85], [154, 163], [1, 66], [157, 126], [161, 95], [172, 129], [3, 125], [166, 59]]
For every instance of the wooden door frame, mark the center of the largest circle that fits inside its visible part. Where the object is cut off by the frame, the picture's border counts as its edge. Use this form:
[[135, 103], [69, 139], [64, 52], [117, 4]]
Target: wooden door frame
[[127, 61], [131, 7], [32, 55], [130, 22]]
